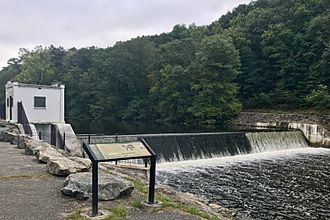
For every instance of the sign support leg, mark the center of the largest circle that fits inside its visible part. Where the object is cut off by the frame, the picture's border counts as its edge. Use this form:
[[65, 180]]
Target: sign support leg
[[152, 181], [95, 189]]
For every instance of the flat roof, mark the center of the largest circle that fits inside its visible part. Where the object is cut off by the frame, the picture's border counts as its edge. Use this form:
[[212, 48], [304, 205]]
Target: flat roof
[[55, 86]]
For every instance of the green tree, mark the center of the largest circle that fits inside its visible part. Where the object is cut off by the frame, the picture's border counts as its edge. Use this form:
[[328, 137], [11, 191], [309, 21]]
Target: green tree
[[214, 91], [319, 98], [37, 67], [173, 93]]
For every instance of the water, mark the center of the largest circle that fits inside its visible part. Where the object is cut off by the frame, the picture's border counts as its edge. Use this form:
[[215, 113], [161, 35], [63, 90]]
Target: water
[[285, 184], [179, 147], [264, 175], [273, 141], [110, 126]]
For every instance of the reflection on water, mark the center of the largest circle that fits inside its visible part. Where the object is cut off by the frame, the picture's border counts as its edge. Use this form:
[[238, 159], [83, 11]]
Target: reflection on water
[[108, 126], [292, 184]]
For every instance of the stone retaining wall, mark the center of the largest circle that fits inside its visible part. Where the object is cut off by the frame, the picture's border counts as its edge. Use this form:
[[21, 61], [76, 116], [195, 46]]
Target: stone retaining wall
[[315, 133]]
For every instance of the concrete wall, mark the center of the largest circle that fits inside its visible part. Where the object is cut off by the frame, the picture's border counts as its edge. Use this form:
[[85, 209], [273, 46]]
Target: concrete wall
[[72, 143], [45, 131], [316, 134], [54, 110]]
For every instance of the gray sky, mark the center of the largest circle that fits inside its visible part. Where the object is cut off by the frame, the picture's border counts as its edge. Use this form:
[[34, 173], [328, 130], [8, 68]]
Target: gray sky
[[82, 23]]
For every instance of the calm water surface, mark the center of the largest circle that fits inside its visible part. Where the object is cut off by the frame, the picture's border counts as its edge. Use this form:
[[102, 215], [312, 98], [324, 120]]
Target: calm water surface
[[108, 126]]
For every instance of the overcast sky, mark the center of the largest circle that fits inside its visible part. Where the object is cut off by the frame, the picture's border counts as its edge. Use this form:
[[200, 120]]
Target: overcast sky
[[82, 23]]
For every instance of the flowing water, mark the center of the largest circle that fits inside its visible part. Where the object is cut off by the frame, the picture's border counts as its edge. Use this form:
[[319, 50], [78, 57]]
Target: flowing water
[[274, 176], [180, 147]]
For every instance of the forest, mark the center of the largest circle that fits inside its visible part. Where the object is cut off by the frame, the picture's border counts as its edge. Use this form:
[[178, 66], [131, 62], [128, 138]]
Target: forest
[[269, 54]]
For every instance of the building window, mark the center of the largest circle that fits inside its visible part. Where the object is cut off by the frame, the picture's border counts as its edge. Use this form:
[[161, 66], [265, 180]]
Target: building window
[[39, 102]]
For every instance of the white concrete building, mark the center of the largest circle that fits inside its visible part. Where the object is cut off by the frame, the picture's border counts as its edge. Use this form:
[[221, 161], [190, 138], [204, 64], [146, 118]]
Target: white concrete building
[[41, 103], [40, 111]]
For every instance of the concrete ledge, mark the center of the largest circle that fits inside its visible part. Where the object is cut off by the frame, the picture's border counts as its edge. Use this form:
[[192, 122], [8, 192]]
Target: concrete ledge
[[316, 134]]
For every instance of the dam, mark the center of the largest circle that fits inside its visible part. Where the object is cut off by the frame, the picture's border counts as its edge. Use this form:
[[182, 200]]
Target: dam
[[276, 175], [263, 175]]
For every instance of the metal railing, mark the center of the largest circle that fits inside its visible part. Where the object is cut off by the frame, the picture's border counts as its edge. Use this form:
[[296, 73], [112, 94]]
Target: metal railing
[[22, 118]]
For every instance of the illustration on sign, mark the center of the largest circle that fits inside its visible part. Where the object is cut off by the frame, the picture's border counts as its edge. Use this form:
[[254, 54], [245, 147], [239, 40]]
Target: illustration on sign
[[121, 150]]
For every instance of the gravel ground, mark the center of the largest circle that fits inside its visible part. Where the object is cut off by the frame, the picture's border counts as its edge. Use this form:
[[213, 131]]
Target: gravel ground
[[27, 190]]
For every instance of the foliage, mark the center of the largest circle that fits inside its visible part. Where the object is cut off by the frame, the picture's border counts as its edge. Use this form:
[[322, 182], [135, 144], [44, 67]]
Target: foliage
[[319, 98], [214, 93], [136, 203], [269, 53], [117, 213], [37, 67], [168, 202]]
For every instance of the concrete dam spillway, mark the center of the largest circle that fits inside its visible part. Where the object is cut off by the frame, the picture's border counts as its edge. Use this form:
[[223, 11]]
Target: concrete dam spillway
[[263, 175], [182, 147]]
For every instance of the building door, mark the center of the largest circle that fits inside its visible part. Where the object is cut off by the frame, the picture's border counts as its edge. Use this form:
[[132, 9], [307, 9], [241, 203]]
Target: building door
[[11, 102], [53, 135]]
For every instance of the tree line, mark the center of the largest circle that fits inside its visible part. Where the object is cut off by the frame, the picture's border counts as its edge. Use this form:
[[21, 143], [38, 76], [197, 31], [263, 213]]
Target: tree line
[[267, 54]]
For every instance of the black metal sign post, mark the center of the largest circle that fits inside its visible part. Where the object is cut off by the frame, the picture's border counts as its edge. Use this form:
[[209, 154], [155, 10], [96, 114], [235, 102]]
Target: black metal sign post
[[95, 188], [152, 180], [95, 160]]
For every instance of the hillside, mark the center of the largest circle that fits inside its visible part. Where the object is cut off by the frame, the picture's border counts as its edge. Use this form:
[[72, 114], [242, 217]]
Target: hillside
[[268, 54]]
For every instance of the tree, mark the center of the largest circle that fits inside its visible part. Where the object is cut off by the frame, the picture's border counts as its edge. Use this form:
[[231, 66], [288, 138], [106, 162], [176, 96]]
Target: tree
[[214, 91], [37, 67], [173, 93], [319, 98]]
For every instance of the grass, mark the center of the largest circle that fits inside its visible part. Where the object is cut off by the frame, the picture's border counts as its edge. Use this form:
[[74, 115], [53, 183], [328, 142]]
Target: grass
[[117, 213], [168, 202], [140, 187], [136, 203], [36, 176], [76, 216]]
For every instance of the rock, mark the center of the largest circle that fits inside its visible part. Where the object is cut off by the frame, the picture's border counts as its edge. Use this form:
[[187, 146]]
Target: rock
[[63, 166], [43, 154], [83, 161], [123, 170], [214, 206], [110, 187], [22, 141], [33, 144], [4, 134]]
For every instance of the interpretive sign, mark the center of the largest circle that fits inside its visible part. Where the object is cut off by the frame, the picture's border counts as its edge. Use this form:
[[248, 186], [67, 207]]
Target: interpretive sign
[[120, 151]]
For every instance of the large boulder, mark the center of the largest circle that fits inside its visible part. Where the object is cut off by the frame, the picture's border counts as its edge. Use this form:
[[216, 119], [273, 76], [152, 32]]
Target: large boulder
[[22, 141], [63, 166], [44, 154], [4, 136], [110, 187], [33, 144]]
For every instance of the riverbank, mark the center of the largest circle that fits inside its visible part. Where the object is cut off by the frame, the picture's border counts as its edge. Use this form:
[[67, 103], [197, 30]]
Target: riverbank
[[28, 184]]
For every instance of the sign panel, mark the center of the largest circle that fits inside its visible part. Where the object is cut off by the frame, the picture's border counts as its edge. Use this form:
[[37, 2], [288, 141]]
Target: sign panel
[[120, 150]]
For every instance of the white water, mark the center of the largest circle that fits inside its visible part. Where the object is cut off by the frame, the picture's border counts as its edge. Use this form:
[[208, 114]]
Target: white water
[[274, 141], [195, 165]]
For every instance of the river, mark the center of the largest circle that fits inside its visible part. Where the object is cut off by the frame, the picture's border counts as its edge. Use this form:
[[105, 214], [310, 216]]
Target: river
[[286, 184], [263, 175], [112, 127]]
